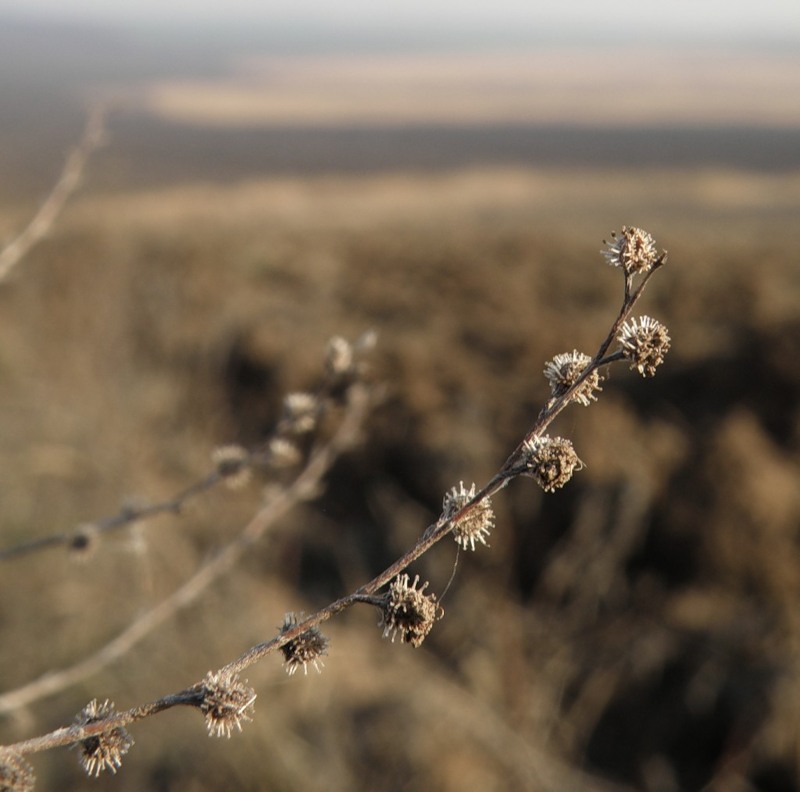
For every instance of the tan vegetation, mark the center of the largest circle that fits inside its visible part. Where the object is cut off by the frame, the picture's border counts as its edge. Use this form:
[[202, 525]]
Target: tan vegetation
[[558, 85]]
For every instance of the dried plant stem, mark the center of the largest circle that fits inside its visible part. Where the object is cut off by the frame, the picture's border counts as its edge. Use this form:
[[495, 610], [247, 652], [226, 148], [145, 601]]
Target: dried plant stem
[[634, 253], [555, 405], [435, 532], [42, 222]]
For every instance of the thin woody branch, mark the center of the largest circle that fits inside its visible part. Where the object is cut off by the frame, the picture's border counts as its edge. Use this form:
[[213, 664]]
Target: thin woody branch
[[407, 610]]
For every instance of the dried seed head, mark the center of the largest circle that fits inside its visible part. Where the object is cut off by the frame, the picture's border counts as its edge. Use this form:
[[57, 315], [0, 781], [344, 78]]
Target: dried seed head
[[634, 250], [226, 703], [565, 369], [16, 775], [233, 464], [644, 342], [300, 412], [308, 647], [283, 453], [102, 751], [550, 460], [339, 358], [82, 542], [476, 524], [408, 611]]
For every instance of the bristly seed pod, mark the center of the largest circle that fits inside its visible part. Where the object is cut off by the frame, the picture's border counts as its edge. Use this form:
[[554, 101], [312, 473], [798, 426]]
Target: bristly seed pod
[[408, 612], [476, 524], [644, 342], [102, 751], [550, 460], [300, 412], [283, 453], [564, 370], [233, 464], [226, 703], [82, 542], [339, 357], [633, 250], [308, 647]]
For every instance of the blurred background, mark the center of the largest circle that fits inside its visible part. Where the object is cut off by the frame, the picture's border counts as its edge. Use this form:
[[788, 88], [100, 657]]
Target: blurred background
[[443, 173]]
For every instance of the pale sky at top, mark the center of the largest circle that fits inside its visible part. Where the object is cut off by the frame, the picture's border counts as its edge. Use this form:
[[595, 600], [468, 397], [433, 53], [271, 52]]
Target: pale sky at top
[[694, 19]]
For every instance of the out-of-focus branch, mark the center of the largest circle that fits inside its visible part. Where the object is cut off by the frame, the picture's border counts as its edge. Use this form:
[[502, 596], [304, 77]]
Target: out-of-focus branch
[[301, 413], [80, 537], [93, 136], [304, 487]]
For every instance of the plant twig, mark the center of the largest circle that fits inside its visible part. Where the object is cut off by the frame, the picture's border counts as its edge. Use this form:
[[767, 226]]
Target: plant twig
[[405, 608]]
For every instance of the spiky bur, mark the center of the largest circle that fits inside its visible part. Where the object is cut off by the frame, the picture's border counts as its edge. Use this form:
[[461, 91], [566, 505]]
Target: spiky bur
[[233, 464], [408, 612], [644, 342], [551, 461], [82, 542], [340, 359], [102, 751], [633, 250], [16, 775], [344, 361], [476, 524], [300, 412], [226, 703], [283, 453], [308, 647], [564, 370]]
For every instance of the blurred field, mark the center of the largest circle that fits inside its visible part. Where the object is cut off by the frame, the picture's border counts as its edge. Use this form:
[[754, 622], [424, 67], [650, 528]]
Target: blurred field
[[641, 624], [637, 628], [593, 86]]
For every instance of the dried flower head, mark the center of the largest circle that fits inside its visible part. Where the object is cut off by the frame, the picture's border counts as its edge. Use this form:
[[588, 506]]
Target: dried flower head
[[634, 250], [16, 775], [226, 703], [339, 357], [308, 647], [476, 524], [408, 611], [564, 370], [233, 464], [644, 342], [102, 751], [550, 460], [300, 412], [283, 453], [82, 542]]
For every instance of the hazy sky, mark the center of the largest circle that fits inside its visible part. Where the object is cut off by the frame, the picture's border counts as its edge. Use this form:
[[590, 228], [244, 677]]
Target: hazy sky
[[694, 19]]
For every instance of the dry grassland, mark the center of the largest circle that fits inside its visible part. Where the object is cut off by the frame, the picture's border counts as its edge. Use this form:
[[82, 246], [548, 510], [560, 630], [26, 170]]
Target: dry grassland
[[639, 625], [581, 86]]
